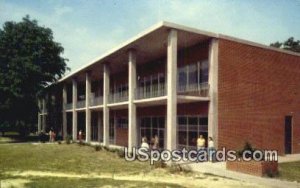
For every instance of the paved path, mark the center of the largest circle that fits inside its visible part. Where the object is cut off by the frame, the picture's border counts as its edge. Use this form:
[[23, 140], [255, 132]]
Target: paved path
[[219, 169], [289, 158]]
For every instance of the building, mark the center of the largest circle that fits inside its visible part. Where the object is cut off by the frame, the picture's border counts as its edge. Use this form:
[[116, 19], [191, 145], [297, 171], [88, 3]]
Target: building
[[178, 82]]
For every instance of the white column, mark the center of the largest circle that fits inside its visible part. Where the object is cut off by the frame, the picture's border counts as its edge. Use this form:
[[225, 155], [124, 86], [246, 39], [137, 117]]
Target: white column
[[172, 90], [105, 107], [99, 125], [87, 109], [64, 120], [213, 91], [132, 136], [74, 100]]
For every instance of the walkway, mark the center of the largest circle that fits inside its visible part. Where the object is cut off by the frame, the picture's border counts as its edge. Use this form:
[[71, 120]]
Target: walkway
[[219, 169]]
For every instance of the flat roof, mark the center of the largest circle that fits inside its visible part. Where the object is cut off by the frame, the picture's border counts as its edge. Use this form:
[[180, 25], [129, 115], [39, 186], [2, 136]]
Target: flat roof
[[178, 27]]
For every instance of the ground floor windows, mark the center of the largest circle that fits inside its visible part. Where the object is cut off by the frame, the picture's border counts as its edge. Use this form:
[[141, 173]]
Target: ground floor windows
[[151, 127], [188, 130]]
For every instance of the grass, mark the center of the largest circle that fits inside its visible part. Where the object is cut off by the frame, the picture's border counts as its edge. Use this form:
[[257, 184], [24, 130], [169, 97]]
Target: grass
[[70, 159], [290, 171], [64, 158]]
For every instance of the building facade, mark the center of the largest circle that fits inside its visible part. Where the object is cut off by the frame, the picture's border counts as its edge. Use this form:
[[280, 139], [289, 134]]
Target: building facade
[[177, 83]]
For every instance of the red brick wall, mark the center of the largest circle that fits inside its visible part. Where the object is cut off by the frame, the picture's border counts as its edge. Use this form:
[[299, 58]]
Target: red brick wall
[[257, 88], [256, 168]]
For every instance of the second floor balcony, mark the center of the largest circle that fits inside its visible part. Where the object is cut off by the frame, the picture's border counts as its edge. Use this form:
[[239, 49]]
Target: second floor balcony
[[96, 101], [196, 89], [118, 97], [151, 91]]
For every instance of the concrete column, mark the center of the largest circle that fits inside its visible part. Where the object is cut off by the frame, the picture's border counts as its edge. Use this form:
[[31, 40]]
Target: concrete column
[[99, 125], [172, 90], [64, 120], [74, 100], [213, 90], [132, 130], [87, 109], [39, 117], [106, 74]]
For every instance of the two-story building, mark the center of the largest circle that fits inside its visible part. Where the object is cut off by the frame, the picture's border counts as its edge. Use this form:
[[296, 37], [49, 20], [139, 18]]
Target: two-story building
[[177, 83]]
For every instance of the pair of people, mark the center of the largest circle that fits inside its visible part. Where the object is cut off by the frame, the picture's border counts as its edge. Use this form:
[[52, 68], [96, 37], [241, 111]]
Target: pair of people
[[210, 149], [154, 143]]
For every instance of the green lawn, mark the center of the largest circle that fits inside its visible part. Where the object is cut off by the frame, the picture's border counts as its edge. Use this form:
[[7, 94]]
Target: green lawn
[[290, 171], [70, 159]]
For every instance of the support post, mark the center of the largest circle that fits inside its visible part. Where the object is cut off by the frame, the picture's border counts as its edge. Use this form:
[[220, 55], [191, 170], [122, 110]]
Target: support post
[[87, 107], [74, 117], [172, 90], [213, 91], [106, 75], [132, 129]]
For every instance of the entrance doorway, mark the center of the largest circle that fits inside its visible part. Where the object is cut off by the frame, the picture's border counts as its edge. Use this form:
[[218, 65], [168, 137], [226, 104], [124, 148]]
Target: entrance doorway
[[288, 134]]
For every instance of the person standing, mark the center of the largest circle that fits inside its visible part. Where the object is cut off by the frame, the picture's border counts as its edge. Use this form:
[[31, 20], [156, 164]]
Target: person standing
[[80, 136], [50, 135], [211, 149], [200, 143]]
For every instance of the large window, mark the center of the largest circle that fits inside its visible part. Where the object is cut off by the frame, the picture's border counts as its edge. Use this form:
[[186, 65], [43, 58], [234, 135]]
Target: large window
[[151, 127], [189, 129], [193, 77]]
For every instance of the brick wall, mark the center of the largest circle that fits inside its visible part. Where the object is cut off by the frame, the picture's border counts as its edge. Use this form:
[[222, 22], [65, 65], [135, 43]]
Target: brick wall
[[257, 88], [256, 168]]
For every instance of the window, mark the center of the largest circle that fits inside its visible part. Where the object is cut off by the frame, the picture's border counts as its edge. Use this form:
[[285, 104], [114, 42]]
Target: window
[[189, 128]]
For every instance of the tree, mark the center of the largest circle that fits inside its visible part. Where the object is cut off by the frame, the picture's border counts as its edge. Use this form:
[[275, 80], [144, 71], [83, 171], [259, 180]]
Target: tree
[[30, 60], [289, 44]]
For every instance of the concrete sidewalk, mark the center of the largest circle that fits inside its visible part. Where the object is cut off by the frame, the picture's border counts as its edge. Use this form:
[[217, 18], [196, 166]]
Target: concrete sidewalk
[[219, 169], [289, 158]]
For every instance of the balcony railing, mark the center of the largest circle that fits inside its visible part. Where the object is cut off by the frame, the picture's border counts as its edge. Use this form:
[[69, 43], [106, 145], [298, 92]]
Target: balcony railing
[[118, 97], [95, 101], [81, 104], [195, 89], [69, 106], [152, 91]]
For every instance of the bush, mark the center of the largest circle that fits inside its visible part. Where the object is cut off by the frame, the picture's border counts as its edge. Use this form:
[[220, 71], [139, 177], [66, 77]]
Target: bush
[[98, 148], [177, 168], [159, 164], [121, 153], [59, 142], [68, 139]]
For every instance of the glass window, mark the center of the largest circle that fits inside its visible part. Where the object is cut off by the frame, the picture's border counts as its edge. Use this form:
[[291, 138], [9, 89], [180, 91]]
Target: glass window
[[204, 72], [193, 74]]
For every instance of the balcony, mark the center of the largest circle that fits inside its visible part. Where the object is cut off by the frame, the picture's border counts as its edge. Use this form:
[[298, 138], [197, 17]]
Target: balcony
[[69, 106], [80, 104], [96, 101], [151, 91], [118, 97], [193, 89]]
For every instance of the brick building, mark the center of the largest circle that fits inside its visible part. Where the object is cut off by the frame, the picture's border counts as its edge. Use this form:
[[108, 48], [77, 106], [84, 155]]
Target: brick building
[[178, 82]]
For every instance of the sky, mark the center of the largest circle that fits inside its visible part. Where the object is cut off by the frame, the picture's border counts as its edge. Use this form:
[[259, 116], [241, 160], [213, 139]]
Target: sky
[[88, 28]]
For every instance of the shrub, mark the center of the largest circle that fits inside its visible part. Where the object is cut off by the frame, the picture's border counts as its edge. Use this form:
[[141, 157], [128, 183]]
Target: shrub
[[59, 142], [98, 148], [121, 153], [177, 168], [68, 139]]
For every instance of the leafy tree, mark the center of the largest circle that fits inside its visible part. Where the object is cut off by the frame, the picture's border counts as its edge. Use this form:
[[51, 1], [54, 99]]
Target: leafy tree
[[289, 44], [30, 59]]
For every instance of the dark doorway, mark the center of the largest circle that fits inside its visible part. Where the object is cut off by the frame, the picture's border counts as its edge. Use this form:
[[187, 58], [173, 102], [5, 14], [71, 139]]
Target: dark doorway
[[288, 134]]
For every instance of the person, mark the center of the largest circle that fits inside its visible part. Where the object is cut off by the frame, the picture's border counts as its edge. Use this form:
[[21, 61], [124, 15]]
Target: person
[[80, 136], [200, 143], [50, 135], [211, 149], [144, 143], [155, 142], [53, 136]]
